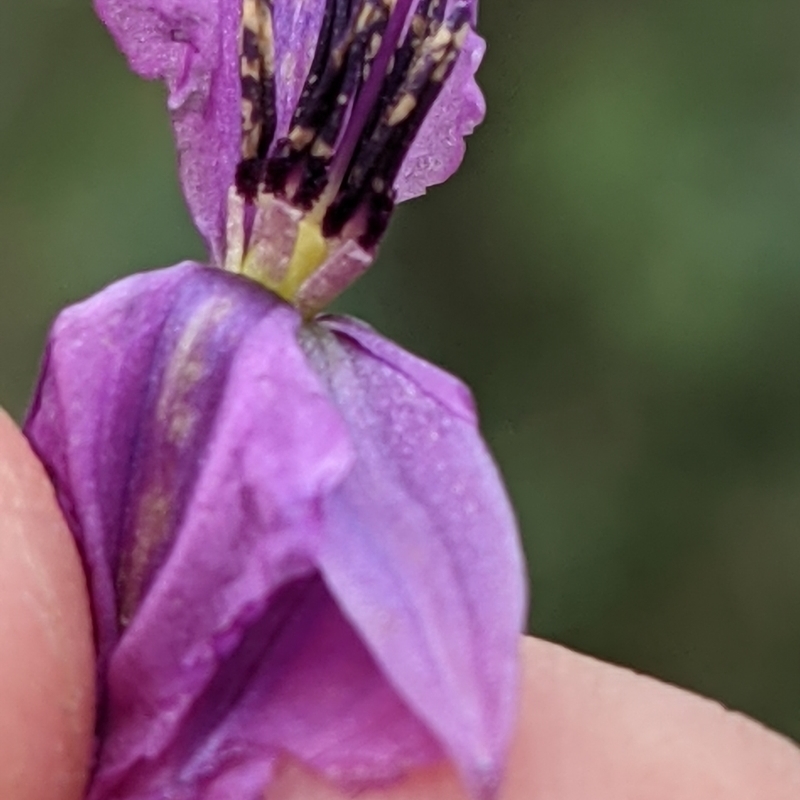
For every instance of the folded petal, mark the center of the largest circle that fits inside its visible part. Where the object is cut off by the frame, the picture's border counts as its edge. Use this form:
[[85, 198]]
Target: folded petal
[[422, 551], [294, 538]]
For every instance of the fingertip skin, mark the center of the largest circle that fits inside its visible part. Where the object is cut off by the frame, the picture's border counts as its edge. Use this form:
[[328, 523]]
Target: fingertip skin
[[592, 731], [46, 650]]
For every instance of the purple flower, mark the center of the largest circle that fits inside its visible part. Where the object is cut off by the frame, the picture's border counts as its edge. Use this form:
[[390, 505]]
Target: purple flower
[[295, 540]]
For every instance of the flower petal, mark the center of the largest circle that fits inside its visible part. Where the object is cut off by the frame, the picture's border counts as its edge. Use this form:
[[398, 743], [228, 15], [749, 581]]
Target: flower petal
[[192, 45], [266, 576], [439, 148], [133, 381], [421, 550]]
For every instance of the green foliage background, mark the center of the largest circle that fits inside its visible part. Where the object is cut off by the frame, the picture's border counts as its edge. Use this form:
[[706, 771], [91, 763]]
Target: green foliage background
[[615, 272]]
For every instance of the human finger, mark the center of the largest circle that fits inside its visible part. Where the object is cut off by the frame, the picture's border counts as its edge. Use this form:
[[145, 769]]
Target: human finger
[[46, 651], [591, 730]]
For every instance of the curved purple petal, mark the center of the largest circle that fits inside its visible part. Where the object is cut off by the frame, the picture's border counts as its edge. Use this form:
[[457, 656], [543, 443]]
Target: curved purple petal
[[439, 148], [192, 45], [443, 581], [294, 538]]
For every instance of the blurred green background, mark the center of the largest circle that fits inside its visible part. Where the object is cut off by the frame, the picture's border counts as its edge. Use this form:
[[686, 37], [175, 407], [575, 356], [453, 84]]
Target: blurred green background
[[615, 272]]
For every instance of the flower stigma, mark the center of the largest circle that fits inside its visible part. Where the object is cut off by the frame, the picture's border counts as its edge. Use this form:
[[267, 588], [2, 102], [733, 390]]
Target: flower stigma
[[307, 210]]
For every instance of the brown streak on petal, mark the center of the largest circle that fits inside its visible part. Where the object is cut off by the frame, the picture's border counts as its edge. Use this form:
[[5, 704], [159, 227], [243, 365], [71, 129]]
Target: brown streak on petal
[[176, 421], [151, 529]]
